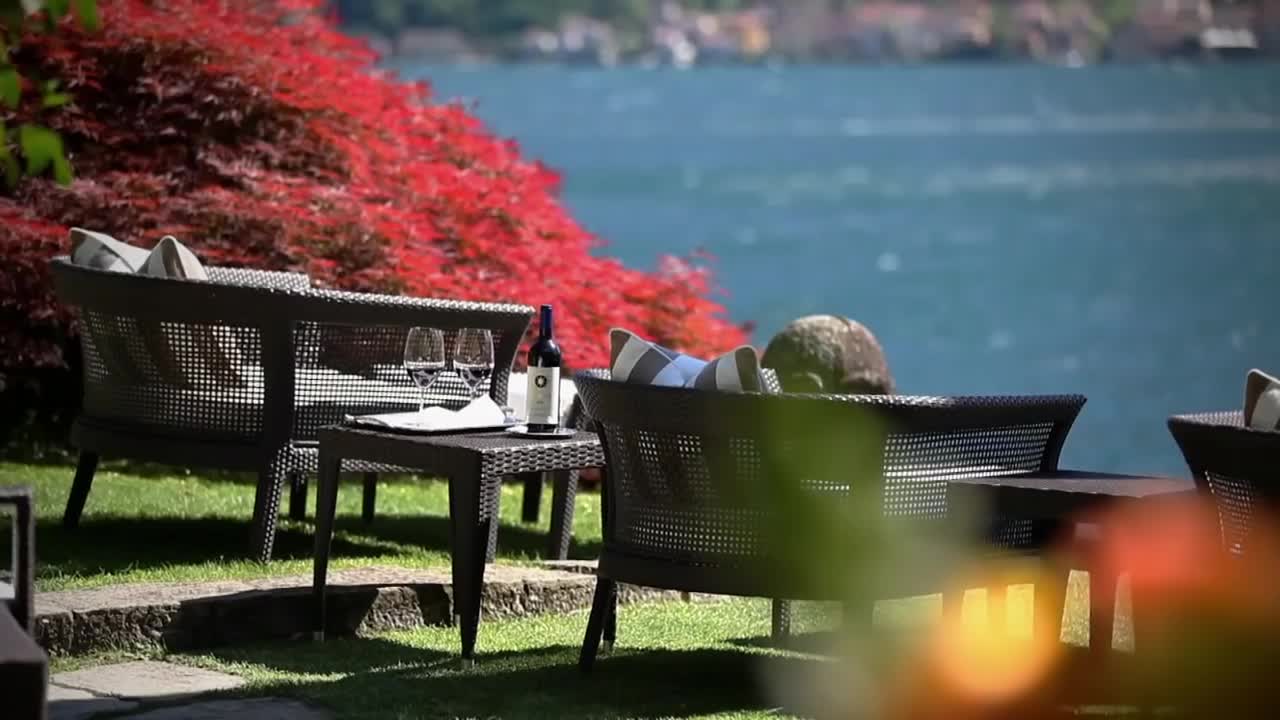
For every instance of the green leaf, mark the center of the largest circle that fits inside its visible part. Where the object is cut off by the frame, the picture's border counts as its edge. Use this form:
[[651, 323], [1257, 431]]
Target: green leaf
[[53, 100], [10, 167], [61, 170], [41, 146], [10, 87], [87, 11]]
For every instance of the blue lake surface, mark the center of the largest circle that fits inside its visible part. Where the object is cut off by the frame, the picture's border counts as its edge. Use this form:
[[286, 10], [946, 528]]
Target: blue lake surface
[[1112, 231]]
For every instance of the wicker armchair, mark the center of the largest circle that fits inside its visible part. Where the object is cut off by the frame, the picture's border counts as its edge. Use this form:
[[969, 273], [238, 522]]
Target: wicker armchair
[[1234, 465], [687, 489], [239, 373]]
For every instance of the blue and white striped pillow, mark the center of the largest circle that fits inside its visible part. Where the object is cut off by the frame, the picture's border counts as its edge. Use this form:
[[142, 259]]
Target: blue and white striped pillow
[[636, 360]]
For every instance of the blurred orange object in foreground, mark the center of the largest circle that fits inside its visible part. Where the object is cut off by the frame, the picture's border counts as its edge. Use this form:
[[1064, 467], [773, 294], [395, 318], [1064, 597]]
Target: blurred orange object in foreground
[[1206, 619]]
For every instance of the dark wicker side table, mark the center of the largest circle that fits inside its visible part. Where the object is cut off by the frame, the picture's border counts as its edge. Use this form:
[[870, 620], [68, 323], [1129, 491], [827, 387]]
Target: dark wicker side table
[[474, 464], [1062, 499]]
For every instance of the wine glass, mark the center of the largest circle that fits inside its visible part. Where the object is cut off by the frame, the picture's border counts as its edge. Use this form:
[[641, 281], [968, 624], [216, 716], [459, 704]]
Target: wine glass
[[424, 359], [473, 358]]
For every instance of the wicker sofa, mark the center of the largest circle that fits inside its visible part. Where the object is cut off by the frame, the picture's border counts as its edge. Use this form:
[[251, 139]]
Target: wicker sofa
[[240, 372], [699, 483]]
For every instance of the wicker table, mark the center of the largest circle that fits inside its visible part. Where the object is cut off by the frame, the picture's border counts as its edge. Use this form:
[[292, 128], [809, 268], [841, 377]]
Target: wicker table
[[1065, 498], [474, 464]]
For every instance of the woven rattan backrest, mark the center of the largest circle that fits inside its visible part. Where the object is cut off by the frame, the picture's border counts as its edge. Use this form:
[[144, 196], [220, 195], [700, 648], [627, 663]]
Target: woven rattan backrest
[[1238, 467], [680, 460], [257, 349], [158, 354], [345, 369]]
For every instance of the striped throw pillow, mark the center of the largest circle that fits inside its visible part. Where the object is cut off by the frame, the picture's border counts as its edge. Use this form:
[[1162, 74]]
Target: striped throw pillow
[[636, 360], [736, 371], [103, 252], [1262, 401]]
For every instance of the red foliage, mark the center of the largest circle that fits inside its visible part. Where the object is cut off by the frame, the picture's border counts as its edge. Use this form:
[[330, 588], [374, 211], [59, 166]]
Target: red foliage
[[262, 137]]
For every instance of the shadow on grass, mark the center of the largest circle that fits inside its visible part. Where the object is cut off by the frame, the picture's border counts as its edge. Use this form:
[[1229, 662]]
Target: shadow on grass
[[115, 544], [825, 642], [387, 680]]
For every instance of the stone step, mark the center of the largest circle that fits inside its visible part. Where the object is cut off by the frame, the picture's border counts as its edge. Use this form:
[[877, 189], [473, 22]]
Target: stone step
[[189, 616]]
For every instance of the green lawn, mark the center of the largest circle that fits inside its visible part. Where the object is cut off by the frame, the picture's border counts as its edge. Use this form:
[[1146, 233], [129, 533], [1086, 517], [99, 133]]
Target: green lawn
[[673, 659], [145, 524], [149, 525]]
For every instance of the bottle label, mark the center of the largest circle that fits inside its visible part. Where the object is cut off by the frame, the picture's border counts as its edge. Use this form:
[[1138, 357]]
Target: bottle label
[[544, 396]]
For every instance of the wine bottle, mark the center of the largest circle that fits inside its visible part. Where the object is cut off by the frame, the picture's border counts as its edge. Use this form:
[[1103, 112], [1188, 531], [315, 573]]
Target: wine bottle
[[543, 395]]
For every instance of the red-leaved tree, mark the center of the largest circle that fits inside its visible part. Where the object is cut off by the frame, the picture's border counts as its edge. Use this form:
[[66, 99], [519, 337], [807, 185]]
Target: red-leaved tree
[[263, 137]]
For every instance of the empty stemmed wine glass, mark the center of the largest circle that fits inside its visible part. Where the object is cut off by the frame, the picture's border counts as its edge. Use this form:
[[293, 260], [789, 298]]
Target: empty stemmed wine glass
[[473, 358], [424, 359]]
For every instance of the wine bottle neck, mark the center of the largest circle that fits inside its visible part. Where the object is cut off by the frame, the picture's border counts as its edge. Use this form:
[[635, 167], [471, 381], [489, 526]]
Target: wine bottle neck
[[546, 327]]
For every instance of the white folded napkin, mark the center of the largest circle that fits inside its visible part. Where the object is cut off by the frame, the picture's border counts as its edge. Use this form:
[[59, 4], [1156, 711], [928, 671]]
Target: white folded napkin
[[482, 412]]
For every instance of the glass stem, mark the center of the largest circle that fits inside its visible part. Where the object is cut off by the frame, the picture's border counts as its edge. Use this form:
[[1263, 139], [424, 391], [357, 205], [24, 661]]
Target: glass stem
[[422, 399]]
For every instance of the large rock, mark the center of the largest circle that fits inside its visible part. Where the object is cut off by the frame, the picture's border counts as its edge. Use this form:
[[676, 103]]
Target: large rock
[[826, 353]]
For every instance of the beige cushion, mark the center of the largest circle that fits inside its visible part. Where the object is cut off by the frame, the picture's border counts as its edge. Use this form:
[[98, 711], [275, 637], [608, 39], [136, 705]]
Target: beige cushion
[[187, 355], [1262, 401], [172, 259], [103, 252]]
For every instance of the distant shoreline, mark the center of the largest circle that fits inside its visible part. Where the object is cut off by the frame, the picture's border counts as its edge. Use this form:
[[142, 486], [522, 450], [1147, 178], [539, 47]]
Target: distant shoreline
[[1011, 62]]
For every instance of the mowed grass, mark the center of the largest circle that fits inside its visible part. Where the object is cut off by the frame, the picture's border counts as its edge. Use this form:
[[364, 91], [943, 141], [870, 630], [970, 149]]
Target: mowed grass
[[673, 659], [162, 525], [144, 524]]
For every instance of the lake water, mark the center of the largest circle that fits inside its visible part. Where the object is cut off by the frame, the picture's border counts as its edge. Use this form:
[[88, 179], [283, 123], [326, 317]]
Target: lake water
[[1110, 231]]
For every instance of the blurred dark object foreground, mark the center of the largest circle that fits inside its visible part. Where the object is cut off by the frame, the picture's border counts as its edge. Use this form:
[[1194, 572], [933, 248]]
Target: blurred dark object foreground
[[24, 667]]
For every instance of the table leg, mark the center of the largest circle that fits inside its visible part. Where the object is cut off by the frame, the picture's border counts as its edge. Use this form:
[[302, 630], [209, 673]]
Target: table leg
[[471, 519], [564, 493], [532, 501], [1102, 611], [326, 506], [1050, 600], [997, 604]]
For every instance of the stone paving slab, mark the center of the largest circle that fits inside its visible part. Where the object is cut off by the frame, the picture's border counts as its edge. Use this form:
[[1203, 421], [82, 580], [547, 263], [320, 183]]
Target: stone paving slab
[[255, 709], [73, 704], [142, 685], [146, 680], [186, 616]]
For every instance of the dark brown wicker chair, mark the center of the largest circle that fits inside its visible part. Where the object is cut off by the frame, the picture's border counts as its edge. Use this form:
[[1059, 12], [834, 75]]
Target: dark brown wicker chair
[[239, 373], [1234, 465], [696, 480]]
